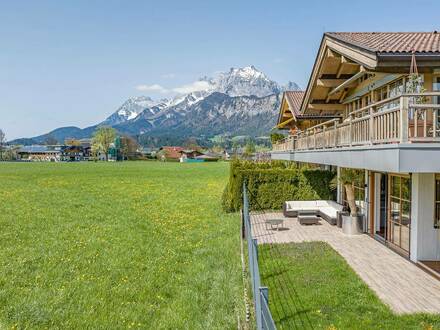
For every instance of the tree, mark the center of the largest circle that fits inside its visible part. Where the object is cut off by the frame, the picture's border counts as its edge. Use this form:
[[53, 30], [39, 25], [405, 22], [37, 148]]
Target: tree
[[72, 142], [50, 141], [103, 137], [249, 149], [2, 143], [276, 137], [348, 178], [191, 143], [129, 147]]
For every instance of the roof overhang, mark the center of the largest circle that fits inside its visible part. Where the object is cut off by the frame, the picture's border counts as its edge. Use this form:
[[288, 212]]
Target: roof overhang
[[347, 54]]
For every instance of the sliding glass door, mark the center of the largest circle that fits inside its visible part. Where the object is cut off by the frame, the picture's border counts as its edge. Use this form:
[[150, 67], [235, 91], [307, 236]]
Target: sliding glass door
[[399, 211]]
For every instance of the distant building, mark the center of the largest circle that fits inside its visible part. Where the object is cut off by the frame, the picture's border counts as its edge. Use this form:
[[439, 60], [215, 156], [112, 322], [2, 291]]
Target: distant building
[[75, 153], [40, 153], [170, 153]]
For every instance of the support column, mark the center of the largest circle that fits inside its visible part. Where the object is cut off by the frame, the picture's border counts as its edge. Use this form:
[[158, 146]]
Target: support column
[[424, 244], [338, 187]]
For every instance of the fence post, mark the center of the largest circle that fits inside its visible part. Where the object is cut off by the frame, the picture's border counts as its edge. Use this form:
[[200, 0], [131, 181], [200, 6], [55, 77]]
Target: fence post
[[351, 131], [403, 125], [257, 296], [371, 123]]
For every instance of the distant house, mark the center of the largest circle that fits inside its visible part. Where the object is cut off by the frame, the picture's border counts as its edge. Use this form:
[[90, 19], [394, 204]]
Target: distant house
[[40, 153], [210, 157], [170, 153], [75, 153], [189, 154]]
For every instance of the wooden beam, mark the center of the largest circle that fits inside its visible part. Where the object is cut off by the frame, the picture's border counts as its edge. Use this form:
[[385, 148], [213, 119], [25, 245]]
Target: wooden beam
[[344, 63], [349, 81], [329, 82], [326, 106], [331, 53], [343, 95], [340, 67]]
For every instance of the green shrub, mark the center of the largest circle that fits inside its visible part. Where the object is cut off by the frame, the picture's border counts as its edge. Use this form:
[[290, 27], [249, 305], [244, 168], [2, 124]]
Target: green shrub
[[272, 183]]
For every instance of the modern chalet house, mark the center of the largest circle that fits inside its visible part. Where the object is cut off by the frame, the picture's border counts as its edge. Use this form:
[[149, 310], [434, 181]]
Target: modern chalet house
[[372, 103]]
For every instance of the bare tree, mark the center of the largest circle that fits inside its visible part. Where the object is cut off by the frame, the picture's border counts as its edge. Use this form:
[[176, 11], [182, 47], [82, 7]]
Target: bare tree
[[129, 147], [2, 142]]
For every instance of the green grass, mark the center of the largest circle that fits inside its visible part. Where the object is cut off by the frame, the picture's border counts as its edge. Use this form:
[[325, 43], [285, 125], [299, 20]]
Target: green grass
[[311, 286], [117, 245]]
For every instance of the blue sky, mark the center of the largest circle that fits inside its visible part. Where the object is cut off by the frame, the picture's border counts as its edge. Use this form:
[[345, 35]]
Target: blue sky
[[66, 63]]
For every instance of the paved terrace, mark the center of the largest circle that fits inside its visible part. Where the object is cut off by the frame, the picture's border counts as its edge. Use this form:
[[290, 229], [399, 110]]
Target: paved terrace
[[399, 283]]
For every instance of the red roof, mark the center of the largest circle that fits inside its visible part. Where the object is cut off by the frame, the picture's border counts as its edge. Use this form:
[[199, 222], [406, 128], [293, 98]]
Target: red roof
[[391, 42], [173, 152]]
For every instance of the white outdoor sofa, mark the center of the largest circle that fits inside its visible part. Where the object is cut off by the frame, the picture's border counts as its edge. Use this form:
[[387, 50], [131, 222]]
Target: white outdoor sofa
[[325, 209]]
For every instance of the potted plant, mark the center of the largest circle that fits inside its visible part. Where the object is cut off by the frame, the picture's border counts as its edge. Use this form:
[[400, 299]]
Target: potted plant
[[351, 223]]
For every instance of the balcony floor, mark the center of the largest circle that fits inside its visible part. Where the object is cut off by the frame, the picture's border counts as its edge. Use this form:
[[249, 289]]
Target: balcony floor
[[399, 283]]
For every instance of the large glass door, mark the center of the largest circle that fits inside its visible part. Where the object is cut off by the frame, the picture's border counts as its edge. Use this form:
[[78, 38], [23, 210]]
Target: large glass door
[[399, 212], [381, 218]]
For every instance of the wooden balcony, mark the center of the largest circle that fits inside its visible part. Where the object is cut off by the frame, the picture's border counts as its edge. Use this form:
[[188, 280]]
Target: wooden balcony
[[407, 118]]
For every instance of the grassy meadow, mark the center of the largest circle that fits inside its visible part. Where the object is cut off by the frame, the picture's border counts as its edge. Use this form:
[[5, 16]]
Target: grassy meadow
[[117, 245], [312, 287]]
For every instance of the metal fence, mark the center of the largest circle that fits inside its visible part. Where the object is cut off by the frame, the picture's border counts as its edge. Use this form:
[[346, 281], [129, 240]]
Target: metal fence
[[260, 293]]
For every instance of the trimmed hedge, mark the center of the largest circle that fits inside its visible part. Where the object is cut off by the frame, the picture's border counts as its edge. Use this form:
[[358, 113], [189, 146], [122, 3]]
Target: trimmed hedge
[[272, 183]]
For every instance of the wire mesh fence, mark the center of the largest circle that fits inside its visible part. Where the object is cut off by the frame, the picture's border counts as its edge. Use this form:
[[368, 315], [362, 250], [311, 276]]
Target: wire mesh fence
[[276, 302], [263, 317]]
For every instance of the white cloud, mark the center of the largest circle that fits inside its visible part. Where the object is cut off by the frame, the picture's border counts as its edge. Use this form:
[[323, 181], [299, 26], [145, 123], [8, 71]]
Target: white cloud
[[152, 88], [193, 87], [168, 76]]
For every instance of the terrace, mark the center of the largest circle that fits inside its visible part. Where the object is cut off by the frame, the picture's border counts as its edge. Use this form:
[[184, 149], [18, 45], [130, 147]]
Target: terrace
[[399, 283], [398, 119], [401, 130]]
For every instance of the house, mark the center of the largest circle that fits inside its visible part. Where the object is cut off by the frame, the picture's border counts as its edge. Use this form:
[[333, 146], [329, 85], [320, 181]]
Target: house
[[76, 153], [39, 153], [372, 103], [169, 153], [209, 157], [189, 154]]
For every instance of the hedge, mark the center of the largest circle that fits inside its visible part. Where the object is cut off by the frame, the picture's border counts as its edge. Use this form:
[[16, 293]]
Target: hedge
[[272, 183]]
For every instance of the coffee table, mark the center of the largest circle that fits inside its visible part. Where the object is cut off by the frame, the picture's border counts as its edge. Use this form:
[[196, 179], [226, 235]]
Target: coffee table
[[308, 217], [275, 223]]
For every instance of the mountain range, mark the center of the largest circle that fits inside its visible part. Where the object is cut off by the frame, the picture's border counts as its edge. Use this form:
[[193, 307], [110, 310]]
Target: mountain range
[[241, 101]]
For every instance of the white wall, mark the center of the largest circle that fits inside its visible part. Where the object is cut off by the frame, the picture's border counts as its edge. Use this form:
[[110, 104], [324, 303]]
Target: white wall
[[425, 244], [393, 157]]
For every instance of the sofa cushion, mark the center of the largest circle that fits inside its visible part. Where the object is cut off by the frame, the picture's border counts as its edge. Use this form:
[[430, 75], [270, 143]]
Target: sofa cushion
[[329, 208], [329, 212]]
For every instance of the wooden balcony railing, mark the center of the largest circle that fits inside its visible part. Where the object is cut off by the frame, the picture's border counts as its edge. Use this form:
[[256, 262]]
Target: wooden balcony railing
[[400, 119]]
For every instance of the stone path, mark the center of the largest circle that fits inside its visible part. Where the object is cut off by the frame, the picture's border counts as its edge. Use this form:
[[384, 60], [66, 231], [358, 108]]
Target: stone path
[[399, 283]]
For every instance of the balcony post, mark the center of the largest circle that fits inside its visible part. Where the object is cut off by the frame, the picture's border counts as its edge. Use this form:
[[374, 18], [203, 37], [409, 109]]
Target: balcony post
[[403, 123], [371, 123], [336, 133], [314, 138], [351, 131]]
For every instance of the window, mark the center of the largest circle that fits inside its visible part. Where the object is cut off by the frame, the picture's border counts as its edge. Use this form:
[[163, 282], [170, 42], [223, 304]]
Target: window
[[437, 202], [399, 214]]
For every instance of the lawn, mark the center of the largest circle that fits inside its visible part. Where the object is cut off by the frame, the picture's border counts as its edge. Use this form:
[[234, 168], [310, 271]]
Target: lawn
[[117, 245], [312, 287]]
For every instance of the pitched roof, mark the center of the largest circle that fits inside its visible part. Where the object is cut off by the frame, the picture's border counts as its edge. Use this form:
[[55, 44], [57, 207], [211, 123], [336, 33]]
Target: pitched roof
[[391, 42], [294, 98]]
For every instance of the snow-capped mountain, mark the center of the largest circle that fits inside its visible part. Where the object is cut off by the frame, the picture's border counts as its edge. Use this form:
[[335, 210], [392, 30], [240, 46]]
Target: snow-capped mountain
[[245, 82], [240, 101], [131, 108]]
